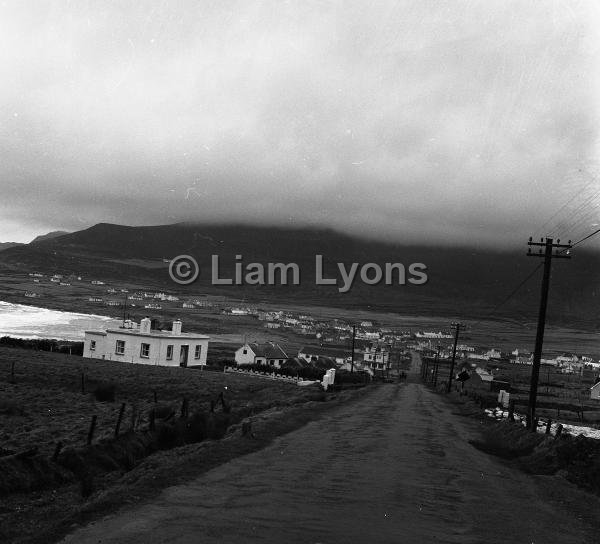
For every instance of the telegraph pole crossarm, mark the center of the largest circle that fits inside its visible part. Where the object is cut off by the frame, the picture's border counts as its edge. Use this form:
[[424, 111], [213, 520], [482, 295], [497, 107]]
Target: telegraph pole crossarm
[[548, 253]]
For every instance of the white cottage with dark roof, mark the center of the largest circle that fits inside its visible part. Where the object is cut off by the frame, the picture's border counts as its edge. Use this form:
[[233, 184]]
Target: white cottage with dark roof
[[270, 354], [144, 345]]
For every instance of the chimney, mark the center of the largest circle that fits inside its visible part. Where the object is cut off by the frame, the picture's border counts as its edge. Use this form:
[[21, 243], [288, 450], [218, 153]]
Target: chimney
[[176, 327], [145, 325]]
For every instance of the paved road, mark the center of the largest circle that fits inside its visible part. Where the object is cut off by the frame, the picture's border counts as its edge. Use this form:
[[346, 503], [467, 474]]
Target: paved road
[[396, 467]]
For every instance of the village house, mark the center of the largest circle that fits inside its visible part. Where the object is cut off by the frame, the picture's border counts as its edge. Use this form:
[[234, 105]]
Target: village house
[[377, 357], [145, 345], [270, 354], [333, 353]]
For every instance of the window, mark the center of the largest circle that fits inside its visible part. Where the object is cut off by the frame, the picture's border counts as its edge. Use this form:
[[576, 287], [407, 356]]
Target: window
[[245, 352], [92, 345], [169, 352], [145, 350], [120, 347], [197, 352]]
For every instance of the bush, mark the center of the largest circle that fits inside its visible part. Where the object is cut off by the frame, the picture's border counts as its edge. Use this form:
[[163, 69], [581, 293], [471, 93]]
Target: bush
[[345, 376], [11, 408], [105, 392]]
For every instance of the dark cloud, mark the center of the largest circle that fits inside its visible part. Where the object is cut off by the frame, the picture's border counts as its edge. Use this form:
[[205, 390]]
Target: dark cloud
[[417, 121]]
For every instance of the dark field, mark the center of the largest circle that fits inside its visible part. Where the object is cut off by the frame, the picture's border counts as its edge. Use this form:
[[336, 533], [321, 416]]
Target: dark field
[[45, 404], [561, 397]]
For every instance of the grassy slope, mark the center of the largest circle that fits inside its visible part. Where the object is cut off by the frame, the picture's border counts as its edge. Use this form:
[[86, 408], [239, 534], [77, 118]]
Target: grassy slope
[[45, 404]]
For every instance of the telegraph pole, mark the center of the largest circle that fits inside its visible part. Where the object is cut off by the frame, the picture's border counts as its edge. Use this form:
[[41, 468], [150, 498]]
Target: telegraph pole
[[456, 327], [547, 253], [437, 366]]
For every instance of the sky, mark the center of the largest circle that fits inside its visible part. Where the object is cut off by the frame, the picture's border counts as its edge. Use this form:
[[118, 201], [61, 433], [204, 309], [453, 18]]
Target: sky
[[414, 121]]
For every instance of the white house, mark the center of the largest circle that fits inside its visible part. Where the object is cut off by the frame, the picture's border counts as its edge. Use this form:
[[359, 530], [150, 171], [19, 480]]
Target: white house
[[143, 345], [377, 357], [266, 354]]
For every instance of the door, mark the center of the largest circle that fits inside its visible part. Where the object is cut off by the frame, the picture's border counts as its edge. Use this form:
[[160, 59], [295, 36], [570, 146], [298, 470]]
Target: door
[[183, 355]]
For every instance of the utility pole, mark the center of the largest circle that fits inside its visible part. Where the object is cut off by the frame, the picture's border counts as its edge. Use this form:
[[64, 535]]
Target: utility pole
[[353, 341], [456, 327], [437, 366], [547, 253], [124, 309]]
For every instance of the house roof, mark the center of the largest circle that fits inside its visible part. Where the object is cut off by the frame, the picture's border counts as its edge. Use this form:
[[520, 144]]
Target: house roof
[[269, 350], [295, 362], [153, 333], [327, 351]]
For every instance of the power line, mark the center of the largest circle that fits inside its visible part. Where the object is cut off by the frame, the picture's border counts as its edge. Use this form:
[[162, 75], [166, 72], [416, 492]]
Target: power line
[[512, 294], [585, 238], [566, 204]]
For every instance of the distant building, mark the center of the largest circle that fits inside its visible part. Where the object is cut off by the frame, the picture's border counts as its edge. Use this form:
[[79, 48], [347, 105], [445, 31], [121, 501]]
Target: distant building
[[145, 345], [270, 354], [377, 357]]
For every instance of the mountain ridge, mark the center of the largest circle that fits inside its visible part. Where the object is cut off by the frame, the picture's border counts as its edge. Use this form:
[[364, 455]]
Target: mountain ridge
[[461, 280]]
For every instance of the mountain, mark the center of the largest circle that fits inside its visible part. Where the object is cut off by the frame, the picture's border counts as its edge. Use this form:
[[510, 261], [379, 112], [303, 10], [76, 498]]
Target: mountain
[[49, 236], [6, 245], [462, 282]]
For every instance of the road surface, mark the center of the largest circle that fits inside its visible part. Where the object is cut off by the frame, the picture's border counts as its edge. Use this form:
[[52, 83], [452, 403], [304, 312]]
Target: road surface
[[394, 467]]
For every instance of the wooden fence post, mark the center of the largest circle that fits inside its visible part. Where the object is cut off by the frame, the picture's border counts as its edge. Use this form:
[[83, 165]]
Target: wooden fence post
[[548, 426], [118, 425], [92, 429], [57, 449], [559, 431], [184, 408]]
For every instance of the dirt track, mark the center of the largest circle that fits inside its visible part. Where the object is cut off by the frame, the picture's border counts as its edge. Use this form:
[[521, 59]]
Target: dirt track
[[396, 466]]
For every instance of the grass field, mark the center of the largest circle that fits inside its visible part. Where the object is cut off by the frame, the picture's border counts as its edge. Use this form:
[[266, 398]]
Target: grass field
[[44, 403], [561, 397]]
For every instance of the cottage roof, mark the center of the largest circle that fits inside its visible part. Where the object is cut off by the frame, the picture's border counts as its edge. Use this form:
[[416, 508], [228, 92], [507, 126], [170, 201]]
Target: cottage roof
[[268, 350]]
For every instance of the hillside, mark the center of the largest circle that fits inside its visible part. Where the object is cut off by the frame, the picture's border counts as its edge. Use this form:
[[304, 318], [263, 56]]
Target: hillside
[[6, 245], [49, 236], [463, 282]]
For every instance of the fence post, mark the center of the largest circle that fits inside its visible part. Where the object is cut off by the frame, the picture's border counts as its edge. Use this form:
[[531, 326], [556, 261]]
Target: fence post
[[92, 429], [548, 426], [559, 431], [57, 449], [511, 410], [184, 408], [118, 426]]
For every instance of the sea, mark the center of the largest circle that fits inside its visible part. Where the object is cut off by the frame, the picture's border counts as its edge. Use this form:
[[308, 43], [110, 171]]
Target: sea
[[21, 321]]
